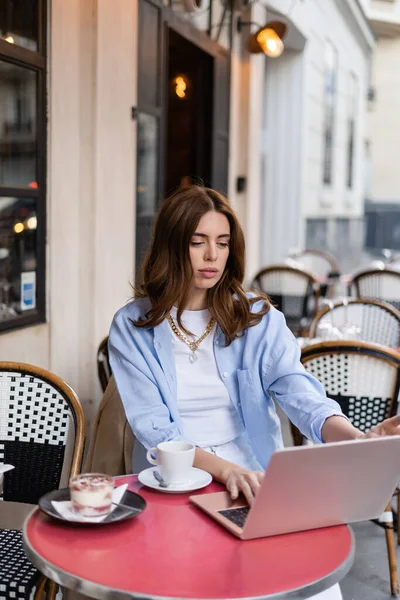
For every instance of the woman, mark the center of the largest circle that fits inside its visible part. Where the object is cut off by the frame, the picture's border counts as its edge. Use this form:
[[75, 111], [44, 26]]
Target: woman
[[196, 358]]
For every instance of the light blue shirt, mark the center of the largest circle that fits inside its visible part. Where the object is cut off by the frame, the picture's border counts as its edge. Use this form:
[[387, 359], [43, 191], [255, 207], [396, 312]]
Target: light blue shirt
[[258, 367]]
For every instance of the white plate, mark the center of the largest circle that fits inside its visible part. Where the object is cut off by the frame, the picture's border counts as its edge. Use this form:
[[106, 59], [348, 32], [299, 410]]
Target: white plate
[[197, 480]]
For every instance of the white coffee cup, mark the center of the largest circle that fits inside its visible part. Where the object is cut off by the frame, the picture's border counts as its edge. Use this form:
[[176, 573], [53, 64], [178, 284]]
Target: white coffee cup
[[174, 460]]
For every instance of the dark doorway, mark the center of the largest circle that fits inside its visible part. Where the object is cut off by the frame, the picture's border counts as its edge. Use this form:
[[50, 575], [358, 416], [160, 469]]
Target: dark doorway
[[188, 141], [177, 137]]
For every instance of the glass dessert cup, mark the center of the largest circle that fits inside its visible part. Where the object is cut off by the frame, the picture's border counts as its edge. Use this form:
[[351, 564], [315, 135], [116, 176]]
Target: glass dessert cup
[[91, 494]]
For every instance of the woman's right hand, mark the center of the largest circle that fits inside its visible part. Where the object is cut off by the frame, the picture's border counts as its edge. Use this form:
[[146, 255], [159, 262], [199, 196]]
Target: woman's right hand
[[238, 480]]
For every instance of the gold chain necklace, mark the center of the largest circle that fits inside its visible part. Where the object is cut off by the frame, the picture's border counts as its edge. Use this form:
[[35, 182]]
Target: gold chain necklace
[[193, 345]]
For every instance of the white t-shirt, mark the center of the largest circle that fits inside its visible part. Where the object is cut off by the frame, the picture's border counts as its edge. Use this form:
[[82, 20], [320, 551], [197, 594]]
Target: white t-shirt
[[208, 415]]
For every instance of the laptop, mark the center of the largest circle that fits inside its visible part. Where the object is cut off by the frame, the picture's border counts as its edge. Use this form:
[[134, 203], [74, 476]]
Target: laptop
[[306, 487]]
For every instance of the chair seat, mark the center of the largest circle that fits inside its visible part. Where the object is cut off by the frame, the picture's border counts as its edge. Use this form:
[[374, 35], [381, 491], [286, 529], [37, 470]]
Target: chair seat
[[18, 576]]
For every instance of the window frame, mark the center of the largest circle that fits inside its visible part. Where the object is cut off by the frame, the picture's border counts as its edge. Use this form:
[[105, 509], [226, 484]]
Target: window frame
[[37, 62], [352, 130], [329, 113]]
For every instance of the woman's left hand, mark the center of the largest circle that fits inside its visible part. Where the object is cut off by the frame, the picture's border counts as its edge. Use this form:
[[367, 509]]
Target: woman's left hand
[[387, 427]]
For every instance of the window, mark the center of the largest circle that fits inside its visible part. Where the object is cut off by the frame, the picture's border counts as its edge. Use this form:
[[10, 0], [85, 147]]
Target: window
[[351, 126], [331, 67], [22, 162]]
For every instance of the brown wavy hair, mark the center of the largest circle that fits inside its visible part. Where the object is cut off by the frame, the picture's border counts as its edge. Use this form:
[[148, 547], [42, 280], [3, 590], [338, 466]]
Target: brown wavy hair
[[167, 270]]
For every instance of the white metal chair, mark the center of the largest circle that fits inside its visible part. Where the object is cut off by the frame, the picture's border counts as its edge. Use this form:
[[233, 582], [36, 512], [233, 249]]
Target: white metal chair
[[293, 291], [365, 380], [42, 432], [377, 321]]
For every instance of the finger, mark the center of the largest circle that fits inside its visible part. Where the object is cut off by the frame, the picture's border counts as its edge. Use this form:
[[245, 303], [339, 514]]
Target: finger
[[393, 421], [391, 431], [388, 426], [370, 434], [246, 491], [233, 489], [254, 483]]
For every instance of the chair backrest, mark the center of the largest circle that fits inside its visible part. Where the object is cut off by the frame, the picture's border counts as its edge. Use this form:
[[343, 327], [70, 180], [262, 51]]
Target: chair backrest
[[293, 291], [378, 321], [378, 284], [363, 378], [103, 364], [393, 265], [42, 431], [317, 262]]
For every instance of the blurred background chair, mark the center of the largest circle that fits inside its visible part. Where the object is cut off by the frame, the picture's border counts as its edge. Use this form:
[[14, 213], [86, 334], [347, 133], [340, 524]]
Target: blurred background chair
[[42, 433], [363, 319], [103, 364], [317, 262], [323, 266], [378, 284], [293, 291], [364, 379]]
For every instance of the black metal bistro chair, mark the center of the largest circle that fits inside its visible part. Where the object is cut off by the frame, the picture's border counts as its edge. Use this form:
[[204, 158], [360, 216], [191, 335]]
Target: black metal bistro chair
[[103, 364], [42, 432]]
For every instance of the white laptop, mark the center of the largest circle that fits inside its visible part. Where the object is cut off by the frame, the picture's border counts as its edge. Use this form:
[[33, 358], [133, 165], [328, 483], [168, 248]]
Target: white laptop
[[307, 487]]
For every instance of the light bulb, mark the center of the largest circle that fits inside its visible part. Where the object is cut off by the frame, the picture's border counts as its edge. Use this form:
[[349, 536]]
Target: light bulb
[[180, 87], [31, 223], [270, 42]]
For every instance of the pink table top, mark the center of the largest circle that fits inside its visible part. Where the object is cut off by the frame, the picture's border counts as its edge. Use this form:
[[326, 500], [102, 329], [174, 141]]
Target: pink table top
[[174, 550]]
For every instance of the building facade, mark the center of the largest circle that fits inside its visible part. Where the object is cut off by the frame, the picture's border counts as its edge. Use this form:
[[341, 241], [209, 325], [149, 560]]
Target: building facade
[[383, 184], [96, 130], [315, 131]]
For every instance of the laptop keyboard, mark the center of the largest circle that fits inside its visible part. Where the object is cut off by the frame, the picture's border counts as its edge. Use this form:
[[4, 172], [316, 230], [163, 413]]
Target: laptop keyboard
[[238, 516]]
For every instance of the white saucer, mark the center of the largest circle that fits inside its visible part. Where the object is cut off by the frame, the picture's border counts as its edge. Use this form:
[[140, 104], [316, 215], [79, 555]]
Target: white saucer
[[197, 479]]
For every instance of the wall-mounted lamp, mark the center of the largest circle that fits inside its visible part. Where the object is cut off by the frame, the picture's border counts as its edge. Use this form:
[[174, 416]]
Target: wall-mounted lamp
[[9, 39], [267, 39]]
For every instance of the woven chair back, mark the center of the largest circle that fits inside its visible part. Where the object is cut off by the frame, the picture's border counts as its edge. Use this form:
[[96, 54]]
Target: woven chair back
[[363, 378], [378, 322], [317, 262], [42, 431], [293, 291], [377, 284]]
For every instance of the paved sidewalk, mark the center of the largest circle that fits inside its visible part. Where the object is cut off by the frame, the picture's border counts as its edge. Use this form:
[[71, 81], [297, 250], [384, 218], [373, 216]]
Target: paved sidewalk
[[369, 576]]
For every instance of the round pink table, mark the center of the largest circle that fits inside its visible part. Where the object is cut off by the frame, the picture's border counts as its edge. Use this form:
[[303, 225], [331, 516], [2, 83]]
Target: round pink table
[[173, 551]]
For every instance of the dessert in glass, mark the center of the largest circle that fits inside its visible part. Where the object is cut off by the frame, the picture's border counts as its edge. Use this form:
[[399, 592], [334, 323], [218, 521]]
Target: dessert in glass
[[91, 494]]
